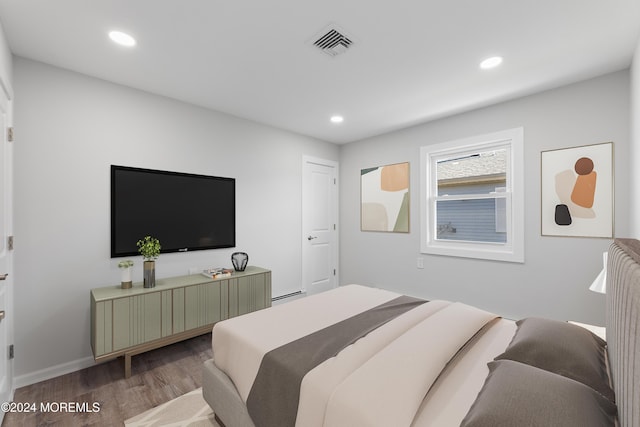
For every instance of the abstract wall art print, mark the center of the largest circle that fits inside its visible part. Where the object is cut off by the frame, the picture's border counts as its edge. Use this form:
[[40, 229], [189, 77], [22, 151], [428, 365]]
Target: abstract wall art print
[[384, 195], [577, 191]]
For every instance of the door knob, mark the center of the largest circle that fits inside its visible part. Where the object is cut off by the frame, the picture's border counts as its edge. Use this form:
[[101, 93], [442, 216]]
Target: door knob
[[4, 276], [2, 314], [311, 237]]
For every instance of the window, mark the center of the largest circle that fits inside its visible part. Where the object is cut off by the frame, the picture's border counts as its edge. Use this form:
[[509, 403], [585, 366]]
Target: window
[[472, 202]]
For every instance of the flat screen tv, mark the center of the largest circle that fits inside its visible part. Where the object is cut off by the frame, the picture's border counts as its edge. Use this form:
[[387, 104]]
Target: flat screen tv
[[186, 212]]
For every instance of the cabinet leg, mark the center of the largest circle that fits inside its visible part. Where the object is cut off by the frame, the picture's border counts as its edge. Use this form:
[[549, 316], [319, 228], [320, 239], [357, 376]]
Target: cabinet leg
[[127, 366]]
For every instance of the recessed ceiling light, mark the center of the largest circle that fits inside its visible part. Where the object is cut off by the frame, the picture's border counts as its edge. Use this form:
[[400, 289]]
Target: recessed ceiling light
[[121, 38], [337, 119], [492, 62]]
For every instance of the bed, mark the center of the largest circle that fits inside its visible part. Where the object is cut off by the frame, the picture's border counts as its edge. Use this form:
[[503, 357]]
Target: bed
[[361, 356]]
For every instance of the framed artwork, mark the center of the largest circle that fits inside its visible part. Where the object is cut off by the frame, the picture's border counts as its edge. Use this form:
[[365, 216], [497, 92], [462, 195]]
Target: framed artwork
[[384, 195], [577, 191]]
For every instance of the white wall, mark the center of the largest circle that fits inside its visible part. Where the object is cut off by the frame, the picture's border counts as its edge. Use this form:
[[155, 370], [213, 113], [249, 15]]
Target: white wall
[[6, 64], [554, 280], [70, 128], [634, 158]]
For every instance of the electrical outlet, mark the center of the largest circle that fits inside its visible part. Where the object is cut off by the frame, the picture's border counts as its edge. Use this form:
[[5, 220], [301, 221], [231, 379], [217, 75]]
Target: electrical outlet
[[193, 270], [420, 262]]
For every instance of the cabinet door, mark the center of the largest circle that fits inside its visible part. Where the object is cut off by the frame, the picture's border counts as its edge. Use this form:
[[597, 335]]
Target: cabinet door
[[249, 293], [136, 320], [102, 327], [203, 304], [167, 313], [178, 310]]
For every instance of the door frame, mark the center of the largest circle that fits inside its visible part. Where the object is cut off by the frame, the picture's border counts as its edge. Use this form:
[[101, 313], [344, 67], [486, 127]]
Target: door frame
[[306, 160], [6, 108]]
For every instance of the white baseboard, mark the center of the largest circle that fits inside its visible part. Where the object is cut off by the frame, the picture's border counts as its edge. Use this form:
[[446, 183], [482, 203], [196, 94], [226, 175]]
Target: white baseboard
[[52, 372]]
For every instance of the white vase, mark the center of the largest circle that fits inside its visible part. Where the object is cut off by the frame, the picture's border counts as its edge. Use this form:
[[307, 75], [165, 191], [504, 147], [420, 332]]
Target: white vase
[[126, 278]]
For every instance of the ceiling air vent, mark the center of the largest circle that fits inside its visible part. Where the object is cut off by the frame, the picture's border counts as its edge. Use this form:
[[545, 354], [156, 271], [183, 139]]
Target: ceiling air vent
[[333, 41]]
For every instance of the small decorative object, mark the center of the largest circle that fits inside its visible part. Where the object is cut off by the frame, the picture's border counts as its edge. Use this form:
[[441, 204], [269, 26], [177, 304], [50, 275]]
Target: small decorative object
[[149, 248], [239, 260], [125, 268], [217, 273]]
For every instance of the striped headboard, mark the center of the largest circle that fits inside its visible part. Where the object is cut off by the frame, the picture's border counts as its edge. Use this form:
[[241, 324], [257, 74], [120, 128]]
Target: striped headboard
[[623, 327]]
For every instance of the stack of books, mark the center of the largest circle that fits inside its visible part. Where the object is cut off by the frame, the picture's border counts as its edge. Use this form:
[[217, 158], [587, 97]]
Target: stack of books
[[216, 273]]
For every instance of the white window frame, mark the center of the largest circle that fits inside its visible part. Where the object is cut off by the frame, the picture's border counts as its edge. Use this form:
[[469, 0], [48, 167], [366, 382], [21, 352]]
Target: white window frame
[[513, 249], [500, 226]]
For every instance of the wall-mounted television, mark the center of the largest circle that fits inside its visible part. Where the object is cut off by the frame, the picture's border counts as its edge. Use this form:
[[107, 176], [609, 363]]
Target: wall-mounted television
[[186, 212]]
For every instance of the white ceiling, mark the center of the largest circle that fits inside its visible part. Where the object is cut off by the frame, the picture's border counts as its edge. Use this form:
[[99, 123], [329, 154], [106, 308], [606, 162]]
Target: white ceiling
[[412, 61]]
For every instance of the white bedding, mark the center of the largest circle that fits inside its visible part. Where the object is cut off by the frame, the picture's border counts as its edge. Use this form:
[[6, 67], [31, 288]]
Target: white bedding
[[239, 343], [389, 387], [319, 384], [455, 391], [392, 376]]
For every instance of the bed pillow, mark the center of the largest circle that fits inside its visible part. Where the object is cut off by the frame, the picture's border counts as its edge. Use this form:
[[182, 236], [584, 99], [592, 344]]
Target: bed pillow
[[562, 348], [515, 394]]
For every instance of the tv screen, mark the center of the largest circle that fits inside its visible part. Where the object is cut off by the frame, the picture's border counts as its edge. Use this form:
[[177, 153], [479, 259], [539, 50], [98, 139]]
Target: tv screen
[[186, 212]]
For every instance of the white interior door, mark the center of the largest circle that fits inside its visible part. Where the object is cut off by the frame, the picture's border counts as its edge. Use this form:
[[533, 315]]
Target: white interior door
[[6, 259], [319, 225]]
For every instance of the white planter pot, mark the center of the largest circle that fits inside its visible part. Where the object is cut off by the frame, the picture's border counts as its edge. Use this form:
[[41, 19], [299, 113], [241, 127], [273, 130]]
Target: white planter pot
[[126, 278]]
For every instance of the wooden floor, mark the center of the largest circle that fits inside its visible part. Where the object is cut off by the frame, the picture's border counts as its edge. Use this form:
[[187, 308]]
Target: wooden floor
[[156, 377]]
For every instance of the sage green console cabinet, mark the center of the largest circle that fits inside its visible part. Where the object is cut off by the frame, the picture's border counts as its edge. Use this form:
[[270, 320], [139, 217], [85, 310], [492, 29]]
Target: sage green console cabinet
[[126, 322]]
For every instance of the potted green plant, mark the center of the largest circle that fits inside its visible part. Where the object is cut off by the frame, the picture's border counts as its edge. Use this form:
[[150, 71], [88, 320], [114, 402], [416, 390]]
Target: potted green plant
[[125, 268], [149, 247]]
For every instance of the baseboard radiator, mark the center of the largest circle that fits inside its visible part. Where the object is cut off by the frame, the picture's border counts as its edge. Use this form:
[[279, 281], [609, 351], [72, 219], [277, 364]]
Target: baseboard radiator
[[283, 297]]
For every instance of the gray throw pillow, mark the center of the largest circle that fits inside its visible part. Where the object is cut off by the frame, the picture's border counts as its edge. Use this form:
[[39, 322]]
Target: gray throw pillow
[[562, 348], [515, 394]]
